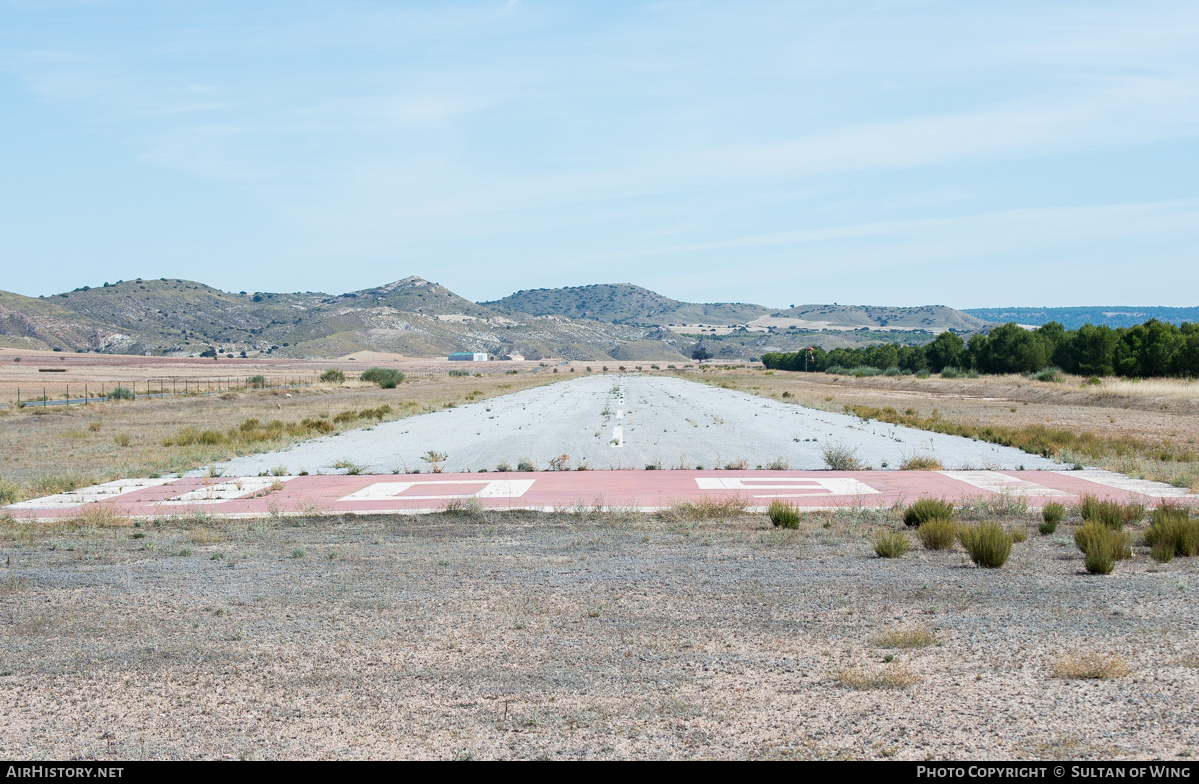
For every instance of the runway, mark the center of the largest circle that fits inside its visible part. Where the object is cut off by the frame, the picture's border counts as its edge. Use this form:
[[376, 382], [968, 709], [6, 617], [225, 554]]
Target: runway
[[549, 491]]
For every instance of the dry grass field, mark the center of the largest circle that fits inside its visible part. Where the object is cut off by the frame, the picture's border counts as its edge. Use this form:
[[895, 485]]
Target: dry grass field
[[693, 634], [1147, 429], [49, 449]]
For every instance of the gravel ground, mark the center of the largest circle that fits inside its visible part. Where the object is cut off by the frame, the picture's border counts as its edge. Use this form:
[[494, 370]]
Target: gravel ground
[[629, 421], [572, 637]]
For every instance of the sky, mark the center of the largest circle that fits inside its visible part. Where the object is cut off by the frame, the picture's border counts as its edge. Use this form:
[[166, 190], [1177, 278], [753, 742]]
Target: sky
[[972, 154]]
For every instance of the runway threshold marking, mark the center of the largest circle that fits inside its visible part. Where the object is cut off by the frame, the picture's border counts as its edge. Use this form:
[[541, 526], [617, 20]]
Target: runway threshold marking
[[501, 488], [1002, 483]]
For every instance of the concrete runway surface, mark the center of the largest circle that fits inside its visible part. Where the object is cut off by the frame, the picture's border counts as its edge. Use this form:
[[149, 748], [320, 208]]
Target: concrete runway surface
[[623, 422]]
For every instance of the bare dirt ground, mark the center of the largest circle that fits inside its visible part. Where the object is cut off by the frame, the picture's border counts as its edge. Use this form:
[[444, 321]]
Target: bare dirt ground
[[572, 636]]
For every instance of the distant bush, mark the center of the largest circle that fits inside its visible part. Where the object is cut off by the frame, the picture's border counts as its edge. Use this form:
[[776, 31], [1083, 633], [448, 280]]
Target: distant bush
[[386, 378], [891, 544], [956, 372], [525, 464], [927, 509], [503, 467], [258, 382], [8, 493], [121, 393], [838, 457], [861, 371], [333, 376], [1051, 514], [989, 544], [457, 373], [938, 533], [1052, 374], [1171, 533], [783, 514]]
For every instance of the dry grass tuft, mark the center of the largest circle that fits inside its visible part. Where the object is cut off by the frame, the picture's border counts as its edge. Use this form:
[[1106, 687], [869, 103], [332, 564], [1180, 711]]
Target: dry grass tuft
[[921, 463], [1089, 666], [891, 677], [101, 515], [910, 637], [708, 508]]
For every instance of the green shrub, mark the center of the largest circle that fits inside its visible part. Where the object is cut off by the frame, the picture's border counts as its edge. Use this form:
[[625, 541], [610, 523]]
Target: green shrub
[[525, 464], [937, 533], [333, 376], [1052, 374], [1107, 513], [1019, 535], [258, 382], [121, 393], [891, 544], [8, 493], [1171, 530], [386, 378], [1102, 546], [783, 514], [459, 373], [1052, 514], [956, 372], [927, 509], [989, 544]]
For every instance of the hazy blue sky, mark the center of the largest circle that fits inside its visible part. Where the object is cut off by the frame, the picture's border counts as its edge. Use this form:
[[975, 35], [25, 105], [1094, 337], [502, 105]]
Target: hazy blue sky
[[965, 153]]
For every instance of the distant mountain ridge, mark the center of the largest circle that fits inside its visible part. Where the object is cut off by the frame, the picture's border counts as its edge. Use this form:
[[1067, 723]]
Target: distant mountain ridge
[[1073, 318], [416, 317]]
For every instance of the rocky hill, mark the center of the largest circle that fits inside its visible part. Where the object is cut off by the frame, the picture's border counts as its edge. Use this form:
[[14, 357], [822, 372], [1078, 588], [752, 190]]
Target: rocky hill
[[417, 317]]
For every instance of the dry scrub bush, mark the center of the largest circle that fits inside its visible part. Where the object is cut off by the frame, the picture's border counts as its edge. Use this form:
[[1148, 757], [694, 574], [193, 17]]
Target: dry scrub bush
[[1102, 546], [989, 544], [1171, 533], [839, 457], [783, 514], [912, 637], [891, 544], [1051, 515], [921, 463], [939, 533], [892, 677], [927, 509], [1089, 666], [1110, 513]]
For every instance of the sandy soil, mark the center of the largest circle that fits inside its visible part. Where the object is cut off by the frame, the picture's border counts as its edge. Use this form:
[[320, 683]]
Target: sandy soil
[[571, 637]]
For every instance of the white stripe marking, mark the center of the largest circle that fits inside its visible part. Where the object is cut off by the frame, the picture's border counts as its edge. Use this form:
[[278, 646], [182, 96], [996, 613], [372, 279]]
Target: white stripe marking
[[805, 486], [90, 495], [995, 482]]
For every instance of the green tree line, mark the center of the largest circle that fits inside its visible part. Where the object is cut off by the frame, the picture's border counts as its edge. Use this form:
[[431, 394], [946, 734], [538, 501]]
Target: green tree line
[[1153, 348]]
